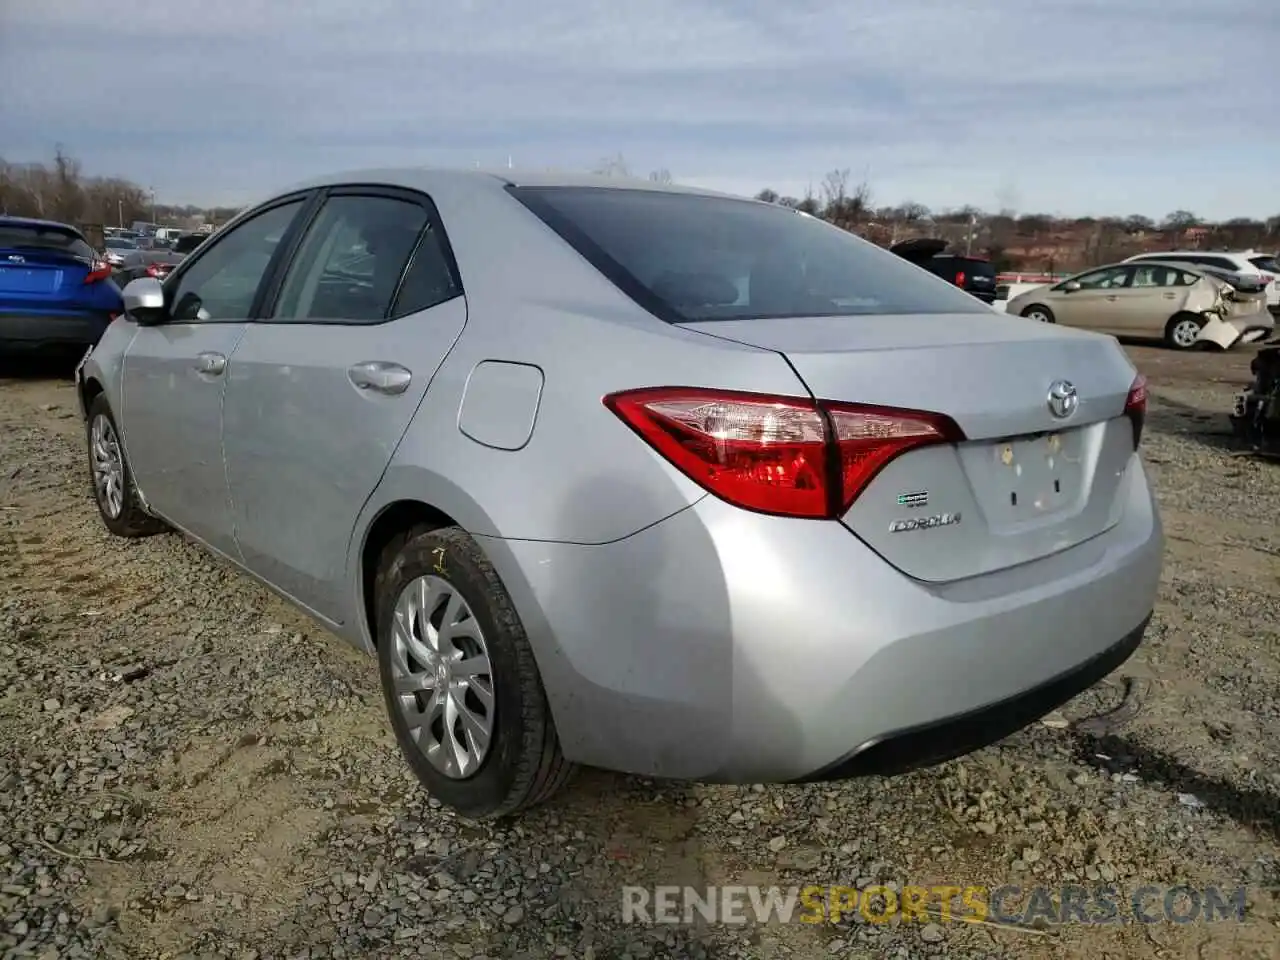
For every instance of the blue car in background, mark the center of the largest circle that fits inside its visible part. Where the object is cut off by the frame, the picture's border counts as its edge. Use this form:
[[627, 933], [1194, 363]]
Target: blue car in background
[[56, 291]]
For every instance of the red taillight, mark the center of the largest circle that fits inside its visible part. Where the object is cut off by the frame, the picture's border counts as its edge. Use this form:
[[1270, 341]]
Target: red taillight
[[158, 270], [98, 270], [960, 278], [788, 456], [1135, 407]]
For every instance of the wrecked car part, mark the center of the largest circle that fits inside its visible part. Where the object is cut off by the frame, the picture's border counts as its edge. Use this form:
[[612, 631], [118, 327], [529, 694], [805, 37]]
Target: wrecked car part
[[1256, 416]]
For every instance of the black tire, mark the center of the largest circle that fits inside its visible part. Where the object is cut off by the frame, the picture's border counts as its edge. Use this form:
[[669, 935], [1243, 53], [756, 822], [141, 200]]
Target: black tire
[[1173, 337], [1040, 308], [524, 765], [131, 520]]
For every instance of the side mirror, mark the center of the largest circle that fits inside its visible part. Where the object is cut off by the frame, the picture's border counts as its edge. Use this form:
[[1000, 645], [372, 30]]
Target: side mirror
[[1071, 286], [144, 301]]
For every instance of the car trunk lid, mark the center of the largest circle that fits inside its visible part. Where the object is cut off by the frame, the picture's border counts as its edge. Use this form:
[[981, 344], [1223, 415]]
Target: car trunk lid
[[1025, 484], [30, 274]]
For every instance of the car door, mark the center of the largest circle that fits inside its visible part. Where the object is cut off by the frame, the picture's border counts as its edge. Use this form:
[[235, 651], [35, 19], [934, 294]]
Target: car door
[[1095, 304], [1151, 298], [321, 389], [174, 373]]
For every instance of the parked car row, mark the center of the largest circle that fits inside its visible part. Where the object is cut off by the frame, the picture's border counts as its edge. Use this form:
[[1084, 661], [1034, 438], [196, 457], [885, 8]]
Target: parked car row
[[570, 459], [1185, 304], [55, 289]]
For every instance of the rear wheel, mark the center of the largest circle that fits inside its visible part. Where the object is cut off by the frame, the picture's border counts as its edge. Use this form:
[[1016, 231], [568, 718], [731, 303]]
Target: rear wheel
[[1039, 313], [462, 689], [1183, 330], [113, 490]]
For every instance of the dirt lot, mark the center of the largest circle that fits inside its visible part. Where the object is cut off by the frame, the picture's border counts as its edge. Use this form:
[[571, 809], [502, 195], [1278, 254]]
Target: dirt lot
[[190, 769]]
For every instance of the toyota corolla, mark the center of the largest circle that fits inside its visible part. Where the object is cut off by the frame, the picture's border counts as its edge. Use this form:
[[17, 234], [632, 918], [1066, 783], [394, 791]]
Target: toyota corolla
[[635, 476]]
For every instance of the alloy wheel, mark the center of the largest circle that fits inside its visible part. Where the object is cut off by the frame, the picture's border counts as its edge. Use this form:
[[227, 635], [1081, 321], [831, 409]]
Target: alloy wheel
[[108, 466], [442, 676]]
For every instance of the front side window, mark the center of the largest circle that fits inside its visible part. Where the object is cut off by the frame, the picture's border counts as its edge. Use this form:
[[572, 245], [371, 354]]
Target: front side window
[[222, 281], [1107, 279], [687, 257], [350, 265]]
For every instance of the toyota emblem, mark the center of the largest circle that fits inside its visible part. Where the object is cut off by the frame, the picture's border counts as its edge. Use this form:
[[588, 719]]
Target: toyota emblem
[[1063, 399]]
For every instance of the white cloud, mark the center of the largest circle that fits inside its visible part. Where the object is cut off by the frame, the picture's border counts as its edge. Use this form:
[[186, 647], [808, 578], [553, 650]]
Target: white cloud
[[1142, 105]]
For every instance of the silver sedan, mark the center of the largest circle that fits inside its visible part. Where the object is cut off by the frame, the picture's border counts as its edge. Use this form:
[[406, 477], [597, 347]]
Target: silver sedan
[[635, 476]]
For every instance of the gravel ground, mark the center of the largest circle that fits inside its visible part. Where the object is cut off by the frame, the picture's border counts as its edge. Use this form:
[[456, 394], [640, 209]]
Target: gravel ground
[[190, 769]]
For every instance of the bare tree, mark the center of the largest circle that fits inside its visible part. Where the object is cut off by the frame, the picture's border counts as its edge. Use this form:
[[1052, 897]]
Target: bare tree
[[835, 186], [1181, 220], [615, 166], [1136, 223], [911, 212], [769, 196], [660, 176], [841, 207]]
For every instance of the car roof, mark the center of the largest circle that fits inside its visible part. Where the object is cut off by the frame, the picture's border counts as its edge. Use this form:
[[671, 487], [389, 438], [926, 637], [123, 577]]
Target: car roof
[[38, 224], [429, 179], [1193, 253]]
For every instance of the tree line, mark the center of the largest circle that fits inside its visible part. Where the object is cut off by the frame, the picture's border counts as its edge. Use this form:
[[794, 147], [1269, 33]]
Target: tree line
[[60, 190]]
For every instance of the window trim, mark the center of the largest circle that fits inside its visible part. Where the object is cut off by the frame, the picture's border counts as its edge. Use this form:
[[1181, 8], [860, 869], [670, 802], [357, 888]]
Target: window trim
[[288, 240], [434, 224]]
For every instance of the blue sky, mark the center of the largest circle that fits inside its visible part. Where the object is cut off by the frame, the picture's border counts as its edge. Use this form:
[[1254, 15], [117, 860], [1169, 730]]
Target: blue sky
[[1061, 106]]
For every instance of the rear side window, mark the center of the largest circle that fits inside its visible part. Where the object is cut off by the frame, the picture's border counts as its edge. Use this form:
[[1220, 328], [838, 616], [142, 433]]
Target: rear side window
[[429, 279], [688, 258], [1220, 262], [350, 265], [21, 236]]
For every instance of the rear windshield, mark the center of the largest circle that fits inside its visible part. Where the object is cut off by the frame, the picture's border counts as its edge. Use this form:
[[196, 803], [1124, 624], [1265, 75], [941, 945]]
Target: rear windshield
[[119, 243], [187, 244], [21, 236], [688, 258], [970, 265], [1269, 264]]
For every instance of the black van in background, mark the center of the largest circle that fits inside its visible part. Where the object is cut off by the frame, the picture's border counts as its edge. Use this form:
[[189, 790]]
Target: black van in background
[[973, 275]]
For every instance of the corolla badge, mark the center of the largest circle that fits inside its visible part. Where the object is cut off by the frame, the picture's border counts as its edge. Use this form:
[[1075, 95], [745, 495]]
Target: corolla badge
[[924, 523], [1063, 399]]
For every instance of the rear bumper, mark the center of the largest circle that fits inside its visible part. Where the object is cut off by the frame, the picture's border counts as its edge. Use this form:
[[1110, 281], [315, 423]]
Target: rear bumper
[[721, 645], [51, 330]]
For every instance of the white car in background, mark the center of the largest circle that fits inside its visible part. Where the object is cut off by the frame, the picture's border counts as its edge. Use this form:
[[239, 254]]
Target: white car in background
[[1248, 262]]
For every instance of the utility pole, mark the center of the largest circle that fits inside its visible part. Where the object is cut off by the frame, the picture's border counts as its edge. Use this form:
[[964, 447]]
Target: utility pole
[[968, 240], [153, 204], [120, 213]]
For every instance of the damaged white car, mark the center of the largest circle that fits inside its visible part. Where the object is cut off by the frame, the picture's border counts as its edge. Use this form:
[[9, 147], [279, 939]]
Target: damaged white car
[[1183, 304]]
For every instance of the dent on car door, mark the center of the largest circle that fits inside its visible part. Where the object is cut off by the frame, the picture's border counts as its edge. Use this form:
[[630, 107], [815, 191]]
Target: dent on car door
[[322, 390], [175, 373]]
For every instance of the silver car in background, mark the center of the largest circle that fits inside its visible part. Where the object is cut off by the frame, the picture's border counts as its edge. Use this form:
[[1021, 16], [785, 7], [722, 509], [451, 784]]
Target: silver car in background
[[635, 476]]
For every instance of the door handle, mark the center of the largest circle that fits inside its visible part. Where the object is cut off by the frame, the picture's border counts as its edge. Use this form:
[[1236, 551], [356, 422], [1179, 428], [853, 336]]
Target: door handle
[[1170, 296], [1113, 297], [211, 363], [380, 376]]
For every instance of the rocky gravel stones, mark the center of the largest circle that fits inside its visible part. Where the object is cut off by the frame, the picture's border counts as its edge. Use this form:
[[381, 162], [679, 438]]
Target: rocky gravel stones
[[190, 769]]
